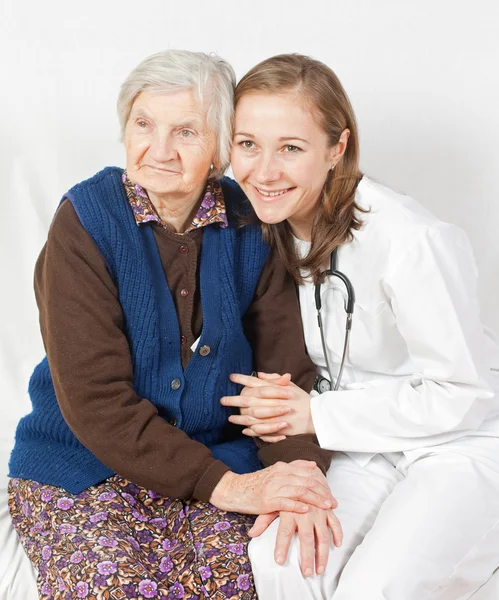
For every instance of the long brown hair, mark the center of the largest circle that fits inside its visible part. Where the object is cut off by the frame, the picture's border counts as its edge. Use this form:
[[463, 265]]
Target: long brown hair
[[329, 105]]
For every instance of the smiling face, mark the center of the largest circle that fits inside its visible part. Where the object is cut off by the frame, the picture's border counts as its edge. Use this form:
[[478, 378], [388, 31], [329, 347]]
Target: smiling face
[[281, 158], [168, 145]]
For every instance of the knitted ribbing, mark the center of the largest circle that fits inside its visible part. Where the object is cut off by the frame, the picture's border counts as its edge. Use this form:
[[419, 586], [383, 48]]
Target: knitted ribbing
[[231, 262]]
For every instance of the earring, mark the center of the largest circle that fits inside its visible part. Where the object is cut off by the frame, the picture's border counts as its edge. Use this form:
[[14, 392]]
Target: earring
[[212, 166], [332, 167]]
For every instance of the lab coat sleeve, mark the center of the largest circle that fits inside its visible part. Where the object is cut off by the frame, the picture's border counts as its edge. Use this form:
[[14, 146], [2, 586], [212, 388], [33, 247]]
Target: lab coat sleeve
[[432, 293]]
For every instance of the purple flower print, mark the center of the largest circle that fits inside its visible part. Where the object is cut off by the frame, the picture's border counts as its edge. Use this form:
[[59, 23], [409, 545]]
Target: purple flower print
[[42, 568], [131, 488], [107, 542], [158, 523], [140, 191], [153, 495], [65, 503], [78, 539], [144, 536], [46, 495], [26, 509], [36, 528], [107, 496], [44, 515], [243, 582], [92, 556], [152, 557], [148, 588], [201, 214], [176, 590], [60, 584], [166, 565], [100, 581], [133, 542], [208, 200], [61, 563], [236, 549], [67, 528], [116, 506], [46, 552], [229, 589], [205, 573], [76, 557], [81, 589], [98, 517], [129, 590], [222, 526], [46, 589], [138, 516], [106, 567], [169, 544]]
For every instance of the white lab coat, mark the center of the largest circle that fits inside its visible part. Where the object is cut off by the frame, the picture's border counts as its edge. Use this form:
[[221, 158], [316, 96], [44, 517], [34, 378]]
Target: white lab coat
[[415, 424], [421, 370]]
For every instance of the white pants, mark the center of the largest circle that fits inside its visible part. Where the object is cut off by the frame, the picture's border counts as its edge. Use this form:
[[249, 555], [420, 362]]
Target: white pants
[[420, 529]]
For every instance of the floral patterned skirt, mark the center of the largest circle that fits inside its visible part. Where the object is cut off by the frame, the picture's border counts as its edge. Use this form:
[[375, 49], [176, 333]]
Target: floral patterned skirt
[[116, 540]]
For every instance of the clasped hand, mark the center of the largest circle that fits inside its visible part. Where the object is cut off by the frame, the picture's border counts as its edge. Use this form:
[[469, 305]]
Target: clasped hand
[[272, 407]]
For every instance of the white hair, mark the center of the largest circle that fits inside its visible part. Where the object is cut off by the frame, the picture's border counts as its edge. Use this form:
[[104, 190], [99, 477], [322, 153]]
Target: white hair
[[211, 78]]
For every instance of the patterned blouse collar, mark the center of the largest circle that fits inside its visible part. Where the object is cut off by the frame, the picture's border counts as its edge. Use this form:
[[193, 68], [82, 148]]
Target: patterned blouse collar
[[211, 208]]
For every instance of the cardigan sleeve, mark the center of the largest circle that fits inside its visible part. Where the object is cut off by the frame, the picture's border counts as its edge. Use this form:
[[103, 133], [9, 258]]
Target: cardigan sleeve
[[82, 328], [274, 329]]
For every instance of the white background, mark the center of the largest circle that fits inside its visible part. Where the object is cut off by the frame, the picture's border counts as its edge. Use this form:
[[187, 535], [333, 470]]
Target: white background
[[423, 77]]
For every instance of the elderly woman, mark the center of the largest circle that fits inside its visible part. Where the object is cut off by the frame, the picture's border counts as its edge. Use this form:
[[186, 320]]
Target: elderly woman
[[149, 296]]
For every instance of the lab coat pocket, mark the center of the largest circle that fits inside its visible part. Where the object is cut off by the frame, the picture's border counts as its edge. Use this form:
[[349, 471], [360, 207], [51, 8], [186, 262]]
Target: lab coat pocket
[[375, 342]]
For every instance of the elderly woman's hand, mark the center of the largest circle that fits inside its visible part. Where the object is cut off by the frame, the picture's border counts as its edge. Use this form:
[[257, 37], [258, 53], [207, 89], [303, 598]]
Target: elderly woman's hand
[[272, 407], [292, 487]]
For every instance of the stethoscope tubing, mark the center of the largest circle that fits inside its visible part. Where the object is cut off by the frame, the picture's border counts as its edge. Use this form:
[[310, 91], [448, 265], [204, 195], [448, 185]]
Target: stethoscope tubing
[[333, 272]]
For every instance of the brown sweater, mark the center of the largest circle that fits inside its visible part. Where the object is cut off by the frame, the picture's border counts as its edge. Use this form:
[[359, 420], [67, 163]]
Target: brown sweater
[[83, 332]]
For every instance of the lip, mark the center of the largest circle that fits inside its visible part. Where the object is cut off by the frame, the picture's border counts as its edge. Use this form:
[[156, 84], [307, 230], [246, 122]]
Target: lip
[[264, 198], [158, 170]]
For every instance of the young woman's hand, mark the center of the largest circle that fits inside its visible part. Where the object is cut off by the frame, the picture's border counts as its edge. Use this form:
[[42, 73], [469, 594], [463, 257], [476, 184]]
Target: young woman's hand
[[272, 407], [314, 530], [294, 487]]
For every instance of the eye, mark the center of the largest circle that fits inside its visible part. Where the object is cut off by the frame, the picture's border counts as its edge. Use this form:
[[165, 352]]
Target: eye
[[247, 144], [142, 124], [186, 133], [290, 148]]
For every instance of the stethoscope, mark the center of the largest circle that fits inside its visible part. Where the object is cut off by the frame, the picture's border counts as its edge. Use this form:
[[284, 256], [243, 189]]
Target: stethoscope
[[322, 384]]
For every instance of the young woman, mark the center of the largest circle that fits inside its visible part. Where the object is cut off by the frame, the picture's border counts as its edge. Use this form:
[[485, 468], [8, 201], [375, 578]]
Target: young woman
[[414, 419]]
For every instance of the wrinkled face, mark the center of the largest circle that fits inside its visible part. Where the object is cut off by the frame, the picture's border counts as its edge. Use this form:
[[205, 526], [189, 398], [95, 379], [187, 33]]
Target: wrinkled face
[[280, 157], [168, 145]]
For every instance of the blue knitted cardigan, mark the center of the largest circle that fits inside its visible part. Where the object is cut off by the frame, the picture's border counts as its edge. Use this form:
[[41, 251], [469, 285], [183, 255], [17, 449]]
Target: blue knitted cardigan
[[231, 262]]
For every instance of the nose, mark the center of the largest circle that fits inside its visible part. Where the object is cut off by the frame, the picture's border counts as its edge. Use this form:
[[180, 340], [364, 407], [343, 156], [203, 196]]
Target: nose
[[267, 169], [163, 148]]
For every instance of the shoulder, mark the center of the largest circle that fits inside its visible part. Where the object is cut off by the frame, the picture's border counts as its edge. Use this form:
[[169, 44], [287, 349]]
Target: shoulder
[[236, 202], [398, 230], [108, 175], [396, 218]]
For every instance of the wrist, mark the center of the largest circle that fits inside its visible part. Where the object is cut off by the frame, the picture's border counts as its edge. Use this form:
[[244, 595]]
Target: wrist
[[310, 421], [222, 495]]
